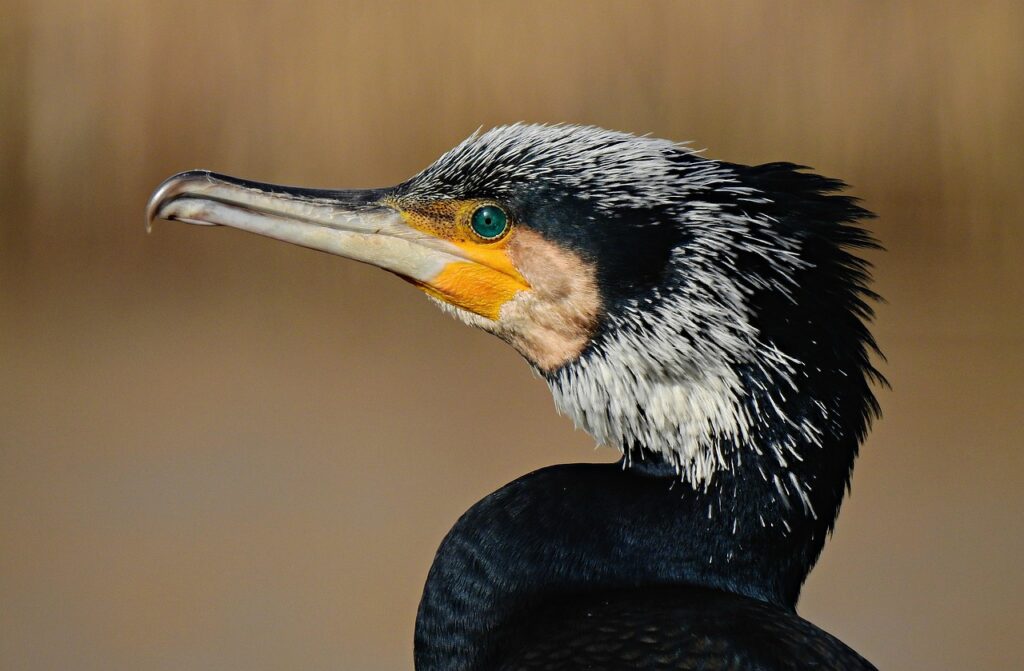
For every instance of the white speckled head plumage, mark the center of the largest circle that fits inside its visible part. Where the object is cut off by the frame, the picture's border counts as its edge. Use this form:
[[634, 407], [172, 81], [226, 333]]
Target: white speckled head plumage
[[669, 371], [608, 168]]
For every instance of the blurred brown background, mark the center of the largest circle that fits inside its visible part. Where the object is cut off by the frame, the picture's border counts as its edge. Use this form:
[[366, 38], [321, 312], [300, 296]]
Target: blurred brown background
[[220, 452]]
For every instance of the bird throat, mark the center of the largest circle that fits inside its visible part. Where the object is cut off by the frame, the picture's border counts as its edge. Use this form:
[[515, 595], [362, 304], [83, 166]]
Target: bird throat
[[685, 421]]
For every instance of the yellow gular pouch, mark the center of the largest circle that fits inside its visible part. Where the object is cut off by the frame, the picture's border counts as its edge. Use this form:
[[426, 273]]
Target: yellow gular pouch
[[486, 279]]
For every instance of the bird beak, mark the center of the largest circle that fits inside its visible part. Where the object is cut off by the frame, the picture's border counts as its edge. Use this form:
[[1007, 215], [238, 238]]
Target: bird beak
[[352, 224]]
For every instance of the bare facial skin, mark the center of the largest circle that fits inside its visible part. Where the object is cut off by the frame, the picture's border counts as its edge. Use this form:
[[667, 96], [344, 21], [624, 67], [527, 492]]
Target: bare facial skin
[[552, 322]]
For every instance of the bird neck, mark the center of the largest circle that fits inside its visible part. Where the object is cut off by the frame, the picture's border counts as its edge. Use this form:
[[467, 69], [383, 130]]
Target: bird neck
[[579, 527]]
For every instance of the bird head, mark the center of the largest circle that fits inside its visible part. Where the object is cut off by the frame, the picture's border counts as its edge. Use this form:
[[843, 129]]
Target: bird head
[[678, 307]]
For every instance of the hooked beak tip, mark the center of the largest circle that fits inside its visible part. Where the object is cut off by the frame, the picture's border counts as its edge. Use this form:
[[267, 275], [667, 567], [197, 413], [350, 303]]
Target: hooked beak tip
[[169, 189]]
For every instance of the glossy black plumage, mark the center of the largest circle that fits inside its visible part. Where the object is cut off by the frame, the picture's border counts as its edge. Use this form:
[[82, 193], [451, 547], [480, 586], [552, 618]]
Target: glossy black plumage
[[565, 540], [674, 628]]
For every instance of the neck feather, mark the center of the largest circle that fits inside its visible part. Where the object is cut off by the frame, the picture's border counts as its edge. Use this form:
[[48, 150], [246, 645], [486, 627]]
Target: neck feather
[[576, 528]]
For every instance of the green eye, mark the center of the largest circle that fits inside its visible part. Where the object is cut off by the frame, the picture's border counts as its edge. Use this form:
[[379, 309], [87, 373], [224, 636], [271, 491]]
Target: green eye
[[489, 222]]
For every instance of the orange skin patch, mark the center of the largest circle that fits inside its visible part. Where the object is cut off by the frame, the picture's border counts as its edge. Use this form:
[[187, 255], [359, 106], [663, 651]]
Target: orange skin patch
[[539, 297], [487, 279], [476, 288]]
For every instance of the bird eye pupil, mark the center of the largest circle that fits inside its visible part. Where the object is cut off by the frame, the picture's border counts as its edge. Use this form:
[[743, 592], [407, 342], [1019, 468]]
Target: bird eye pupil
[[489, 222]]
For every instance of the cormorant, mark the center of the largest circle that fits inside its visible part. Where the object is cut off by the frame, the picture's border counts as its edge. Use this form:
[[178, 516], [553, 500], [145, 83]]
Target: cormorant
[[708, 319]]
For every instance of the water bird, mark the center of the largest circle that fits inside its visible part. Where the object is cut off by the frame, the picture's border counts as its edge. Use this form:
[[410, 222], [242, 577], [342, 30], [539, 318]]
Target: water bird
[[707, 319]]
